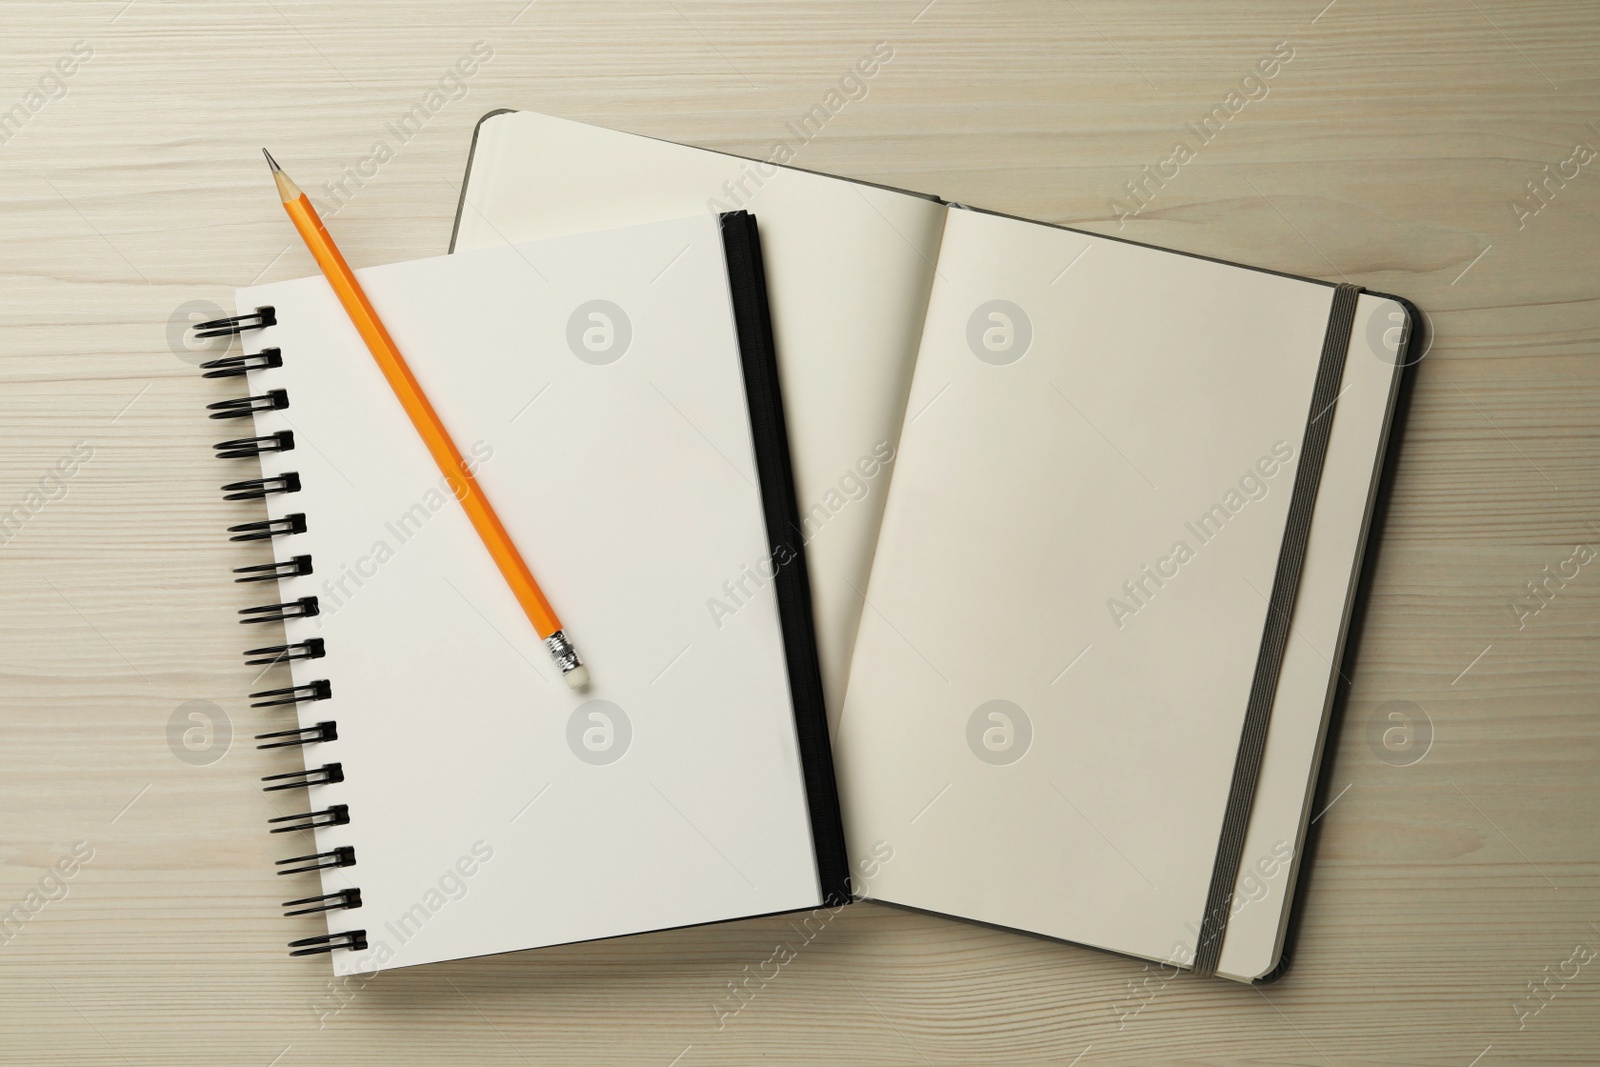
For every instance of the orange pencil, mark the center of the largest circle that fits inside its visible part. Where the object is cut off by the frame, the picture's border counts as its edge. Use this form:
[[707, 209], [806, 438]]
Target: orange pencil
[[445, 453]]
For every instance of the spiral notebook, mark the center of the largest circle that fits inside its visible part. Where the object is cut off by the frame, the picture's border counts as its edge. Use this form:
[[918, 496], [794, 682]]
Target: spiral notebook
[[1086, 521], [442, 793]]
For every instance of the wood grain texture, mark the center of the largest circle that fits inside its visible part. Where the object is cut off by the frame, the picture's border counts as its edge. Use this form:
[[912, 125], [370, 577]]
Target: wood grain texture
[[1389, 151]]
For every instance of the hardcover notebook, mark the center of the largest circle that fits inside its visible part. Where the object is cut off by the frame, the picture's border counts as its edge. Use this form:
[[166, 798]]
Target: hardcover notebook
[[1080, 652], [616, 394]]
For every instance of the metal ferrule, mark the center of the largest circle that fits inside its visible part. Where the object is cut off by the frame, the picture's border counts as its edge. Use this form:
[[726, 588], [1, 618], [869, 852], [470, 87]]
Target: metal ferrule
[[562, 652]]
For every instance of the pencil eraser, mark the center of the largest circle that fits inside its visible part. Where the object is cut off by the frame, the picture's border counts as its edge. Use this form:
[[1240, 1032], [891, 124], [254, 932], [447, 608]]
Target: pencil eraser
[[577, 677]]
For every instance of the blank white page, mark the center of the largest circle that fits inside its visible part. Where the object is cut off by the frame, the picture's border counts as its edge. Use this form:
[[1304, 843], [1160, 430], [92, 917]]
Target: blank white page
[[848, 270], [1081, 408], [630, 488]]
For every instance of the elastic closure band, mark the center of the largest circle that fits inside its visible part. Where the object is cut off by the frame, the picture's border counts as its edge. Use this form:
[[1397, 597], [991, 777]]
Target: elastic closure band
[[1275, 634], [741, 241]]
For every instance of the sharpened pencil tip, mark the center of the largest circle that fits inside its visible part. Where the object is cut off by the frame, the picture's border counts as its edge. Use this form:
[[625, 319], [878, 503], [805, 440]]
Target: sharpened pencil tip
[[287, 189]]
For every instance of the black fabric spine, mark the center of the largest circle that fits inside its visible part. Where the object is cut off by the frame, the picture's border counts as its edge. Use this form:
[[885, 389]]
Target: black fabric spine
[[1275, 632], [747, 285]]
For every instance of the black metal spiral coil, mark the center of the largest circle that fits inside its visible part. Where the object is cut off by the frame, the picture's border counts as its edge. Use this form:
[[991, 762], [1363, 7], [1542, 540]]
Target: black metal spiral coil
[[244, 406], [323, 731], [333, 815], [256, 488], [245, 447], [344, 899], [356, 940], [327, 774], [343, 856], [311, 648], [302, 608], [239, 366], [267, 572], [263, 317], [270, 528], [321, 689]]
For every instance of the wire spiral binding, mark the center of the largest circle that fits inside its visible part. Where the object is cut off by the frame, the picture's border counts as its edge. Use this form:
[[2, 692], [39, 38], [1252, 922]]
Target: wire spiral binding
[[327, 774], [300, 608], [336, 815], [355, 940], [344, 898], [343, 856], [238, 366], [323, 731], [304, 608], [295, 694], [245, 406], [256, 488], [264, 531], [268, 572], [245, 447], [263, 317], [311, 648]]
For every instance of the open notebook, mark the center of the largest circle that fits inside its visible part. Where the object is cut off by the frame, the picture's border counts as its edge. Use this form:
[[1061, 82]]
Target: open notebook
[[616, 394], [1045, 483]]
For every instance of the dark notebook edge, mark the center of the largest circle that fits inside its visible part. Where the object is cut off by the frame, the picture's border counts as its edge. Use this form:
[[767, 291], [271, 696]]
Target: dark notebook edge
[[747, 285], [466, 175]]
